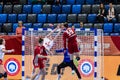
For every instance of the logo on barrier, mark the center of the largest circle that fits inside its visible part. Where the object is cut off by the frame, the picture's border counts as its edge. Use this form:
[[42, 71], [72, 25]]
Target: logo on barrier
[[12, 66], [86, 67]]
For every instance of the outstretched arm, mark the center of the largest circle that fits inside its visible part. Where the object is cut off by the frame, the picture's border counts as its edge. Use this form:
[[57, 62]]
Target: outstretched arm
[[57, 35], [7, 51]]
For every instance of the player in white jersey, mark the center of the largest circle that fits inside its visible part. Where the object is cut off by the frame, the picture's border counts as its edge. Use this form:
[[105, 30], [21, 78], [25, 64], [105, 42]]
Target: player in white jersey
[[2, 53], [48, 40]]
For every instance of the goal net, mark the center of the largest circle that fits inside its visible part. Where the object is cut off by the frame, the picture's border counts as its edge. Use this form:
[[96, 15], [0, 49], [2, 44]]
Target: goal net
[[90, 66]]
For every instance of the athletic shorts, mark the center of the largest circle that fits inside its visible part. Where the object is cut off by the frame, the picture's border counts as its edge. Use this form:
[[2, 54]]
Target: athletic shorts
[[40, 65], [73, 48], [1, 62]]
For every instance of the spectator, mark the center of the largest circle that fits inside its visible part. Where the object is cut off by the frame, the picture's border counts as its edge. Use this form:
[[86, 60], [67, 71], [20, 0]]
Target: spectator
[[101, 13], [111, 13], [38, 1], [81, 25], [57, 2], [19, 28]]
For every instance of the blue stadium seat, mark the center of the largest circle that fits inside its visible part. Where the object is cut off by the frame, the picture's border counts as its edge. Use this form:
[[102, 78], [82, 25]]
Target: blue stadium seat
[[37, 25], [76, 25], [56, 9], [70, 24], [27, 25], [36, 9], [92, 18], [15, 25], [3, 18], [27, 9], [1, 8], [42, 18], [61, 18], [106, 7], [29, 1], [108, 27], [66, 9], [51, 18], [76, 9], [90, 2], [117, 27], [12, 18], [70, 2], [80, 1], [22, 17]]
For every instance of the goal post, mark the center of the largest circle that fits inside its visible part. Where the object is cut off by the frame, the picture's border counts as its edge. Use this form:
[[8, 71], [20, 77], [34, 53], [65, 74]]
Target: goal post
[[91, 64]]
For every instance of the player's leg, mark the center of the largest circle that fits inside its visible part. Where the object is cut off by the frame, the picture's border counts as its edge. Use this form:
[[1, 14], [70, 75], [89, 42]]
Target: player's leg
[[37, 70], [3, 73], [43, 72], [62, 65]]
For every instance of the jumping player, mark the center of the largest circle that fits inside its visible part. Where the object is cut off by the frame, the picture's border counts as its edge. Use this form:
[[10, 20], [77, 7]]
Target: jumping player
[[3, 72], [66, 62], [48, 40], [40, 56]]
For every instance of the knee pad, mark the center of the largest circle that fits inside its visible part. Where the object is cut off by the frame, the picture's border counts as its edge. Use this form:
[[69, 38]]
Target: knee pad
[[1, 75], [5, 75]]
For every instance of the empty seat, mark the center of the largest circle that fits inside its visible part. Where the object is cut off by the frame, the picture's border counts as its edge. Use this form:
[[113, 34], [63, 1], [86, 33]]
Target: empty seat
[[15, 25], [17, 9], [31, 18], [70, 2], [46, 25], [117, 27], [51, 18], [7, 9], [76, 25], [95, 9], [117, 8], [37, 25], [98, 25], [41, 18], [30, 1], [3, 18], [108, 27], [76, 9], [82, 17], [88, 25], [92, 18], [1, 27], [90, 2], [118, 17], [12, 18], [114, 34], [66, 9], [56, 9], [22, 17], [7, 28], [46, 9], [27, 25], [36, 9], [27, 9], [80, 1], [70, 24], [61, 18], [106, 7], [72, 18], [86, 9], [22, 1], [1, 8]]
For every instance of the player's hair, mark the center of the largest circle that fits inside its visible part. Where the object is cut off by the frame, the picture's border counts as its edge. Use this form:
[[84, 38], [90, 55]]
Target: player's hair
[[40, 40], [1, 41], [66, 25]]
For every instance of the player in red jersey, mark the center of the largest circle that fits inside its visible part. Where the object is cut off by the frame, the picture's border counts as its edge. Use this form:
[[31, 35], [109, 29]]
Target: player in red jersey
[[40, 56], [70, 42]]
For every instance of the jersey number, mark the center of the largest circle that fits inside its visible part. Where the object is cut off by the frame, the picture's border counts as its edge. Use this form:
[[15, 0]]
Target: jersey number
[[70, 32]]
